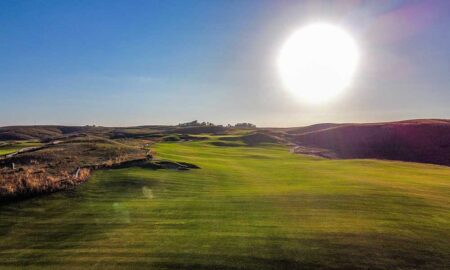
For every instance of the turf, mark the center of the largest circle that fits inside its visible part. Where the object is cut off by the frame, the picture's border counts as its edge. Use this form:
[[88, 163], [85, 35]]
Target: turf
[[16, 146], [246, 208]]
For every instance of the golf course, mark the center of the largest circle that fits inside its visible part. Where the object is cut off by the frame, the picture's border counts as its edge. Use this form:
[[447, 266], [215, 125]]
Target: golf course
[[9, 148], [245, 207]]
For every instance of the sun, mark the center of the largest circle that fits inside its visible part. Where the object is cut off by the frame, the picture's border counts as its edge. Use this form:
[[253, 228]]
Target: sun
[[318, 62]]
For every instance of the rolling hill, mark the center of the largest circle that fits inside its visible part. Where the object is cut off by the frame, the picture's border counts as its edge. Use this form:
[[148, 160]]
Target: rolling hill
[[426, 141], [247, 207], [423, 140]]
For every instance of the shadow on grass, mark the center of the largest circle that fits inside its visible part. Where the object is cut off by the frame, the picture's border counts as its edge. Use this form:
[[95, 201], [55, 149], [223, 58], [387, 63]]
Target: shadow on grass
[[227, 144]]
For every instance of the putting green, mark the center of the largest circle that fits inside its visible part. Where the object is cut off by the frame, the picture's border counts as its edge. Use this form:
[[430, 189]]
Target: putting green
[[246, 208]]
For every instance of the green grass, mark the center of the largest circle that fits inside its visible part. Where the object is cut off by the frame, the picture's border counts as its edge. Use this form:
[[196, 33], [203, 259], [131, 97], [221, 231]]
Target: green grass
[[16, 146], [246, 208]]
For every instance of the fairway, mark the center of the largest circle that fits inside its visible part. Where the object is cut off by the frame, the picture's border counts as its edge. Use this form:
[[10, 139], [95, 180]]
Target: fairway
[[16, 146], [256, 207]]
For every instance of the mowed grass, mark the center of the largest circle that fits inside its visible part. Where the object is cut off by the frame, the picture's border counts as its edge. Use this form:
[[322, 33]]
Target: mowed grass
[[16, 146], [246, 208]]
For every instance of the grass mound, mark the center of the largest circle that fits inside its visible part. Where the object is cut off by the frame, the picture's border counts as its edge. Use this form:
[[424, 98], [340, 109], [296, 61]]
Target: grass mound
[[259, 138], [426, 141], [249, 139]]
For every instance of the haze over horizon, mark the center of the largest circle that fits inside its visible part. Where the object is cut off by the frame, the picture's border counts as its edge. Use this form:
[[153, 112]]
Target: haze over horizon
[[126, 63]]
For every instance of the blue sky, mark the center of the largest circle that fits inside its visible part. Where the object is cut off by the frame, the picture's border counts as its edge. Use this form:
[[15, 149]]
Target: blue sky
[[122, 63]]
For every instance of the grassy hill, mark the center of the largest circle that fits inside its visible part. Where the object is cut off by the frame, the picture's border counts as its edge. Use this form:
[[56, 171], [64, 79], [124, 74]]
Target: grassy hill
[[43, 132], [257, 207], [12, 147], [425, 141]]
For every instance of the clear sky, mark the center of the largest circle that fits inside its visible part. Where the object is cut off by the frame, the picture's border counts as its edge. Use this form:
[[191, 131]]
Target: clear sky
[[165, 62]]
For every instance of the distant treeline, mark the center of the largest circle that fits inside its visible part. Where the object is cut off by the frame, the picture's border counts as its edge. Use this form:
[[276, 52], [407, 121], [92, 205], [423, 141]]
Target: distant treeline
[[196, 123]]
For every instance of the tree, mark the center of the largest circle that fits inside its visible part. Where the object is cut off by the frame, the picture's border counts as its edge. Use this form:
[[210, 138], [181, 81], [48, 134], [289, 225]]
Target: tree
[[245, 125]]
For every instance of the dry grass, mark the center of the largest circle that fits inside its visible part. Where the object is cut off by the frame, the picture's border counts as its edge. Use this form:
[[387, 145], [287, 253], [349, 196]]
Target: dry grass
[[34, 181], [62, 166]]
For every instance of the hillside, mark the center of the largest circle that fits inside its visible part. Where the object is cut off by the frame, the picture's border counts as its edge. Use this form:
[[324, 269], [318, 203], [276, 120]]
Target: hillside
[[426, 141], [61, 164], [43, 132]]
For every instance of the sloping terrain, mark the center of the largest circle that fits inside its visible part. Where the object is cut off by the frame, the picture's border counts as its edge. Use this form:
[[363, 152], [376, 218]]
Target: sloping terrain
[[28, 132], [311, 128], [199, 130], [426, 141], [12, 147], [257, 207], [56, 166], [45, 132]]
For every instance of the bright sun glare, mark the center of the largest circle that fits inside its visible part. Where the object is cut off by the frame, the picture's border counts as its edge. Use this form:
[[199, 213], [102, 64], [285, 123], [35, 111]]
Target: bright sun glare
[[317, 62]]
